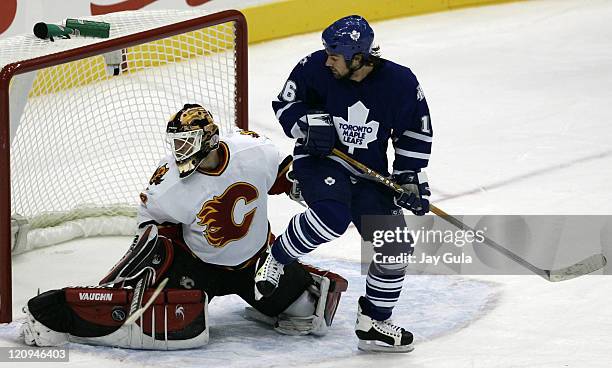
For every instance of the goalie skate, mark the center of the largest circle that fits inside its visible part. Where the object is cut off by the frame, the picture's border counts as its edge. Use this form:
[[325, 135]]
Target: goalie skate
[[381, 336]]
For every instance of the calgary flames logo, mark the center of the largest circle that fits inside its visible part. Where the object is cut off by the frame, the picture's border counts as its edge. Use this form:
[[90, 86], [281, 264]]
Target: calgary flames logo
[[217, 215], [159, 174]]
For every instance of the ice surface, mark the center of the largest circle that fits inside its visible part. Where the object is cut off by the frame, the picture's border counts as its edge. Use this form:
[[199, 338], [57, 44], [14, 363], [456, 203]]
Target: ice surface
[[432, 306]]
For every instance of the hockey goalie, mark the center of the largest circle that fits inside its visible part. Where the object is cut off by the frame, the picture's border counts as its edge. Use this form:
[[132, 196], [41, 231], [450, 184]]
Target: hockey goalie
[[203, 230]]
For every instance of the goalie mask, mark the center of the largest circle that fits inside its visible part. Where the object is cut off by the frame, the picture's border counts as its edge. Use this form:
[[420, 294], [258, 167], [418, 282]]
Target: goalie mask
[[192, 135]]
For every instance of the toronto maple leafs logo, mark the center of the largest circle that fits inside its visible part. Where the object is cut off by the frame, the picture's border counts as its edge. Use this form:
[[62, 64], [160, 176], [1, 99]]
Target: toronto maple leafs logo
[[357, 132], [355, 35]]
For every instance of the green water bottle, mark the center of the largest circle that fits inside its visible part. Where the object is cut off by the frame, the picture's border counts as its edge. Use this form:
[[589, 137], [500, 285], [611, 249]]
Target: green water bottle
[[89, 28], [48, 31]]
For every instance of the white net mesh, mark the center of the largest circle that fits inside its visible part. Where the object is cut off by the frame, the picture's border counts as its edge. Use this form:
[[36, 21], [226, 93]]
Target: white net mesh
[[87, 141]]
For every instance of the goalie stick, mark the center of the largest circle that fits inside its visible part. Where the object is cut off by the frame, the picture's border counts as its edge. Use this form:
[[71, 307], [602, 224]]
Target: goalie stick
[[136, 300], [586, 266]]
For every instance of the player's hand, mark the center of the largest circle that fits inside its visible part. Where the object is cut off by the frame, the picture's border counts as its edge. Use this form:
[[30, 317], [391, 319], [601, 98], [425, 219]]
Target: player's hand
[[320, 134], [416, 192]]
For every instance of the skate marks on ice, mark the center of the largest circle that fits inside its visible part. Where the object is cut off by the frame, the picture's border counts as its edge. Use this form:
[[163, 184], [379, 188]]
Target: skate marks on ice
[[430, 306]]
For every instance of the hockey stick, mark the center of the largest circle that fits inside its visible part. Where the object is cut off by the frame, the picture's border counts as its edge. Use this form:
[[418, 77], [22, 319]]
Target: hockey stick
[[586, 266], [138, 312]]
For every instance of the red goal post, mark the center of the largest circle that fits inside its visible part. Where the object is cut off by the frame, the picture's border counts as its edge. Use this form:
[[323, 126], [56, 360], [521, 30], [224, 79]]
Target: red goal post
[[82, 120]]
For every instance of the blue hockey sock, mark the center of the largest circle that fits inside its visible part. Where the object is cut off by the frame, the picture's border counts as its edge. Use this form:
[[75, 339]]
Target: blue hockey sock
[[324, 221], [383, 288]]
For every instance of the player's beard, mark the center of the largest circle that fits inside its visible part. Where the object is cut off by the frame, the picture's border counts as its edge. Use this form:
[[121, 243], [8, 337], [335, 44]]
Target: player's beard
[[338, 75], [346, 75]]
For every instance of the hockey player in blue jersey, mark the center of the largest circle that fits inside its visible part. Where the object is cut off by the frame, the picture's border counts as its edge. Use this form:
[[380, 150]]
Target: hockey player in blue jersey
[[347, 97]]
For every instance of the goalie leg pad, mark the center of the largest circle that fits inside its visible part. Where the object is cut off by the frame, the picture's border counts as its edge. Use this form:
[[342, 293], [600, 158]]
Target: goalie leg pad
[[337, 285], [178, 319], [293, 322], [313, 312], [35, 333]]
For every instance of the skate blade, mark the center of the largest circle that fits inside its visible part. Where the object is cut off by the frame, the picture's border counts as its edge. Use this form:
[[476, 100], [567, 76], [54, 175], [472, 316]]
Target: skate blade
[[381, 347]]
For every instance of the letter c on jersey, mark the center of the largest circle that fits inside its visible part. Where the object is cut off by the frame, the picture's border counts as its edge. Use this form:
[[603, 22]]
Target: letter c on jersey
[[217, 215]]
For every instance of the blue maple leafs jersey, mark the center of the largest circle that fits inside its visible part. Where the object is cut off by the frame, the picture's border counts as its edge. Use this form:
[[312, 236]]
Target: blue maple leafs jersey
[[388, 103]]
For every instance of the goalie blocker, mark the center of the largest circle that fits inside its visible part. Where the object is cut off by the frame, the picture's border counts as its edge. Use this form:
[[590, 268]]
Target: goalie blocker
[[305, 302]]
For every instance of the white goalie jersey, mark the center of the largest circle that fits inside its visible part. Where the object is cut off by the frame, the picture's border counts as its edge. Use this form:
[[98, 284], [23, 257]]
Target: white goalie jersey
[[223, 212]]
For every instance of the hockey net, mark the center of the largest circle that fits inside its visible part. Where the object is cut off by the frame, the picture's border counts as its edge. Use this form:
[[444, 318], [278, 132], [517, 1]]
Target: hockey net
[[82, 120]]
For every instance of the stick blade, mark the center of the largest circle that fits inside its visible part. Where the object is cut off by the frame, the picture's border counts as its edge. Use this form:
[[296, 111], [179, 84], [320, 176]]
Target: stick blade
[[584, 267]]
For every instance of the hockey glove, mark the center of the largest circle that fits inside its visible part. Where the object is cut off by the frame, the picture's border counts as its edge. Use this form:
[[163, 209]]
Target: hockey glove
[[416, 192], [320, 134]]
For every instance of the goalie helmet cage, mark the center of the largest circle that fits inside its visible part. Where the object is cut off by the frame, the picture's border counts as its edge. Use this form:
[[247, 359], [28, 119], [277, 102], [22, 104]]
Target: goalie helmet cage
[[82, 120]]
